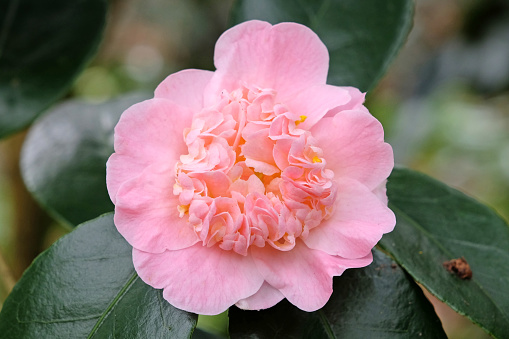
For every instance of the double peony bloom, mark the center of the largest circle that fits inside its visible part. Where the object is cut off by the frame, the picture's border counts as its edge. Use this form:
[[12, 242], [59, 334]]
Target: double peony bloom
[[253, 183]]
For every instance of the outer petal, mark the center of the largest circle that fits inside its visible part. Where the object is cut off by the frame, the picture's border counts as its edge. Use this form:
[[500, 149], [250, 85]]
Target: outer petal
[[316, 101], [150, 132], [355, 103], [287, 57], [203, 280], [358, 222], [266, 297], [185, 88], [353, 146], [119, 169], [381, 192], [146, 212], [304, 276]]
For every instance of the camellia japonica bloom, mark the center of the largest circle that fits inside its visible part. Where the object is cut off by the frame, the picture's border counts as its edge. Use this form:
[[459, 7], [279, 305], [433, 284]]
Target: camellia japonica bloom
[[253, 183]]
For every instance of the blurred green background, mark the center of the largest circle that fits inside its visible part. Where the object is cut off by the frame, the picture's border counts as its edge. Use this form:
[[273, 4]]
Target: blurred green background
[[444, 104]]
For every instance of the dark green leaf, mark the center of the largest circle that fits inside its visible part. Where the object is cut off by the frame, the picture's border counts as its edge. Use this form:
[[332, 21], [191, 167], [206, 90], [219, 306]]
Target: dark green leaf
[[85, 286], [202, 334], [379, 301], [435, 224], [363, 36], [43, 46], [63, 161]]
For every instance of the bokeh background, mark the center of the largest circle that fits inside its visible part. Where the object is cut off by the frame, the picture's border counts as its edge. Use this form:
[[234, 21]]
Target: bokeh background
[[444, 104]]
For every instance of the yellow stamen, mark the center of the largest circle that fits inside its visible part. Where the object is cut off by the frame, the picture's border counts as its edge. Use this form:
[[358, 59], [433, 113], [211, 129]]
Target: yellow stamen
[[302, 119], [182, 209], [316, 159]]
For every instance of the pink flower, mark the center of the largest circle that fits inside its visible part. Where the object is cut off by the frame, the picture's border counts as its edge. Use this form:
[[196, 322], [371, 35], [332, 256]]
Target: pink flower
[[253, 183]]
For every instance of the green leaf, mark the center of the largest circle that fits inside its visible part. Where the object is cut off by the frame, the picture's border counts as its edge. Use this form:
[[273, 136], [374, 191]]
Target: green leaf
[[379, 301], [435, 224], [85, 286], [202, 334], [43, 47], [63, 161], [363, 37]]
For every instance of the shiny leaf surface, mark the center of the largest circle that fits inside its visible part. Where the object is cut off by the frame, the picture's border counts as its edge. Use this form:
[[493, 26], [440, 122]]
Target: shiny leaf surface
[[63, 161], [43, 47], [85, 286], [435, 224]]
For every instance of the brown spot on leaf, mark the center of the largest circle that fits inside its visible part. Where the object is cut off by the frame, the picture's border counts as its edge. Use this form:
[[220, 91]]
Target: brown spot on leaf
[[460, 267]]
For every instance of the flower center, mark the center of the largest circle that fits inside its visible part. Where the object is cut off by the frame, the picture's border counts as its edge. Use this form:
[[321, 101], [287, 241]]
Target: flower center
[[251, 176]]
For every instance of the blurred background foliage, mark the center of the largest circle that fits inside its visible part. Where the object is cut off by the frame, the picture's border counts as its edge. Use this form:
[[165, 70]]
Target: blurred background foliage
[[444, 104]]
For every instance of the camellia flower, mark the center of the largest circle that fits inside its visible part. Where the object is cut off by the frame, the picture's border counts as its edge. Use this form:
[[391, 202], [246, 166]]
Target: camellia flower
[[253, 183]]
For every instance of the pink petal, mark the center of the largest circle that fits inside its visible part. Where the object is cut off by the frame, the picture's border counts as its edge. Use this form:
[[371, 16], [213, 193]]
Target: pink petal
[[266, 297], [381, 192], [316, 101], [217, 182], [185, 88], [262, 167], [302, 275], [152, 132], [119, 169], [353, 146], [358, 222], [146, 212], [287, 57], [198, 279], [280, 153], [259, 147], [355, 103]]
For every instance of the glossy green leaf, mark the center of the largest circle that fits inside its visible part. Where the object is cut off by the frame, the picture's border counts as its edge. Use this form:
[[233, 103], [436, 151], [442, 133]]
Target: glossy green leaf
[[379, 301], [63, 161], [363, 36], [43, 46], [85, 286], [435, 224]]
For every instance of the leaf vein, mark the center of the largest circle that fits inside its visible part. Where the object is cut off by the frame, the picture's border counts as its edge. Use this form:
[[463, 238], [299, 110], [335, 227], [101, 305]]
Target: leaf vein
[[115, 301], [326, 325], [57, 321]]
